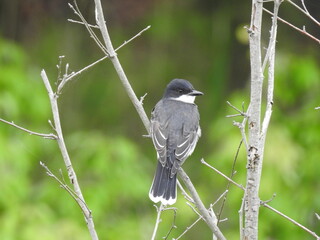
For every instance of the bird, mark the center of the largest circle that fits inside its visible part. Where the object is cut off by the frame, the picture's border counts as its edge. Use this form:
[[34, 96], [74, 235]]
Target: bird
[[175, 130]]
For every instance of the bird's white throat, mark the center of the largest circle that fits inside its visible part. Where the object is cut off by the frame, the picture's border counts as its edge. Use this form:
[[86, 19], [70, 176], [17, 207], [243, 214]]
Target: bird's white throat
[[185, 98]]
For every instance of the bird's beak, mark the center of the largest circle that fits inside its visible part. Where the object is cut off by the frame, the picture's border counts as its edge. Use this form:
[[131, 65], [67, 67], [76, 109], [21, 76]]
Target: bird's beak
[[195, 93]]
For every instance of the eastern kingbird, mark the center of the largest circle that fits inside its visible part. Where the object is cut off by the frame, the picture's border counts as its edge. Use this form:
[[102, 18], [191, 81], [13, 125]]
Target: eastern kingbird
[[174, 131]]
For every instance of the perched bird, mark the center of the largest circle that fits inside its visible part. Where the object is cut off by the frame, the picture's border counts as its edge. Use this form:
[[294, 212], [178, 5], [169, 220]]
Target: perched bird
[[174, 131]]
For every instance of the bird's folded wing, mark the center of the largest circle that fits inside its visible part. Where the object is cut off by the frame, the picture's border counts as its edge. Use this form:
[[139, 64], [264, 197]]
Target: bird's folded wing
[[159, 137], [186, 145]]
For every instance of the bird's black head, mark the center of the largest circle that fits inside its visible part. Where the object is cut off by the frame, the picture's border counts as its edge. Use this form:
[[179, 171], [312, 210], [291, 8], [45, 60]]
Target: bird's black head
[[181, 89]]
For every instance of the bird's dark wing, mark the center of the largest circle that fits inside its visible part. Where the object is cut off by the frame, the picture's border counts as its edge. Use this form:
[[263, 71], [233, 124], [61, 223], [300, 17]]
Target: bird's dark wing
[[159, 137], [185, 147]]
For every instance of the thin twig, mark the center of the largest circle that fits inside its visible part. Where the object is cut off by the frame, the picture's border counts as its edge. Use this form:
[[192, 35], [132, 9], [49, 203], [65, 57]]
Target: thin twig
[[231, 176], [223, 175], [116, 63], [291, 220], [219, 198], [74, 21], [86, 24], [135, 36], [72, 75], [188, 228], [239, 111], [241, 211], [304, 10], [194, 209], [184, 193], [158, 220], [63, 184], [47, 136], [199, 216], [271, 59], [303, 31], [210, 219], [173, 226]]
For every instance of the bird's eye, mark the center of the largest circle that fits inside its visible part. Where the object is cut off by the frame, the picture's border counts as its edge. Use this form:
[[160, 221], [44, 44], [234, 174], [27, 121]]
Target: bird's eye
[[180, 90]]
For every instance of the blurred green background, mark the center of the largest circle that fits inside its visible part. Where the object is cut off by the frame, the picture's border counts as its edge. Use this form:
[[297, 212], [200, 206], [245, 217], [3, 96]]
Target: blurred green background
[[202, 41]]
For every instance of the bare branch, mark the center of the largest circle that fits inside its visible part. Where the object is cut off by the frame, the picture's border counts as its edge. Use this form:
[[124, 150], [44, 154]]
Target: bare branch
[[261, 203], [291, 220], [64, 186], [223, 195], [173, 226], [134, 37], [184, 193], [270, 56], [72, 75], [304, 10], [211, 220], [223, 175], [303, 31], [47, 136], [90, 25], [115, 61], [239, 111], [158, 220], [86, 24], [188, 228], [241, 125], [63, 149]]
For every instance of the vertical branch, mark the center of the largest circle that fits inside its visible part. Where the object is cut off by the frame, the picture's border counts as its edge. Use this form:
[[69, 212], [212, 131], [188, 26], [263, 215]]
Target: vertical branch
[[252, 202], [257, 132], [158, 220], [71, 173], [271, 60]]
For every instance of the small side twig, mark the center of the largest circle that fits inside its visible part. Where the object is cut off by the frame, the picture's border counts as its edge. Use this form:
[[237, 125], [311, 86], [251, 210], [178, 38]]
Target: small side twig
[[75, 21], [223, 175], [188, 228], [134, 37], [47, 136], [63, 184], [241, 113], [142, 98], [184, 193]]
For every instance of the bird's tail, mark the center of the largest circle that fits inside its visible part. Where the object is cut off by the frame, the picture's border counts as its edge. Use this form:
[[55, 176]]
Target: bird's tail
[[164, 187]]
